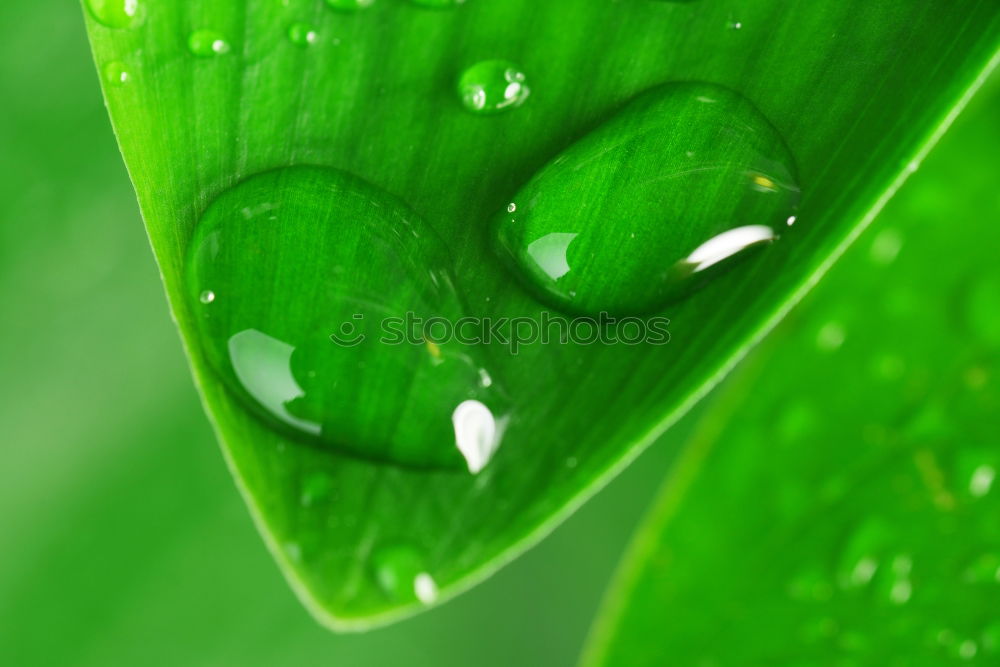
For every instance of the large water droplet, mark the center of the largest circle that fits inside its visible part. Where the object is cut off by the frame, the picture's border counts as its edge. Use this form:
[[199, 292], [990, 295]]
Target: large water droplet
[[349, 5], [117, 13], [323, 289], [492, 86], [401, 573], [206, 43], [653, 203]]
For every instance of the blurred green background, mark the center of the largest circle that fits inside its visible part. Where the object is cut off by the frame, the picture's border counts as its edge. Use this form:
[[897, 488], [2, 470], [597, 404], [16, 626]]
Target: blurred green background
[[124, 540]]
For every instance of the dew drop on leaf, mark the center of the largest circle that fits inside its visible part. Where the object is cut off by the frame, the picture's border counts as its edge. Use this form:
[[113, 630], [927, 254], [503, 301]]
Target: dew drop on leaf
[[654, 203], [117, 13], [401, 573], [335, 347], [116, 74], [206, 43], [315, 488], [492, 86], [302, 34]]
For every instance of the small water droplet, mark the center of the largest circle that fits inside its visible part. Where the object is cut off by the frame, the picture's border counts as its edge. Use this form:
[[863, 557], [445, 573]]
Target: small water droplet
[[511, 207], [207, 296], [303, 34], [401, 573], [982, 480], [967, 650], [983, 570], [206, 43], [315, 489], [116, 74], [492, 86], [886, 246], [831, 336], [665, 223], [349, 5], [901, 591], [293, 550], [319, 348], [117, 13], [735, 25]]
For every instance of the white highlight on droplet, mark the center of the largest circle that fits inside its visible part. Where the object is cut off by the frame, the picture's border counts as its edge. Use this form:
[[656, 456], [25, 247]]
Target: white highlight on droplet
[[477, 434], [425, 588], [727, 244]]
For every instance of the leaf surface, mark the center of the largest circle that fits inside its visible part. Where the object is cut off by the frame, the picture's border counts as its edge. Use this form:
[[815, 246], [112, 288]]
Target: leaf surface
[[856, 89], [838, 504]]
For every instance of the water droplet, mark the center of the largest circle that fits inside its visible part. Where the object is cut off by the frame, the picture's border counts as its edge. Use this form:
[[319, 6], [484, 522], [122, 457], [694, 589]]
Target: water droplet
[[886, 246], [401, 573], [293, 550], [967, 650], [982, 480], [901, 591], [206, 43], [349, 5], [831, 336], [438, 4], [983, 570], [315, 489], [206, 297], [319, 347], [303, 34], [653, 204], [116, 74], [117, 13], [492, 86]]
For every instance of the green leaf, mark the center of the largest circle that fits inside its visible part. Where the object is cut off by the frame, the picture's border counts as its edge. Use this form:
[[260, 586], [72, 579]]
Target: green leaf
[[837, 504], [856, 89]]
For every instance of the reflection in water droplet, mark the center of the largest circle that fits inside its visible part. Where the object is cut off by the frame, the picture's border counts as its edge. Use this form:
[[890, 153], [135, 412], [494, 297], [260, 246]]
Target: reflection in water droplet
[[206, 297], [206, 43], [666, 195], [492, 86], [349, 5], [401, 573], [302, 34], [115, 74], [263, 366], [477, 434], [319, 347], [117, 13]]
